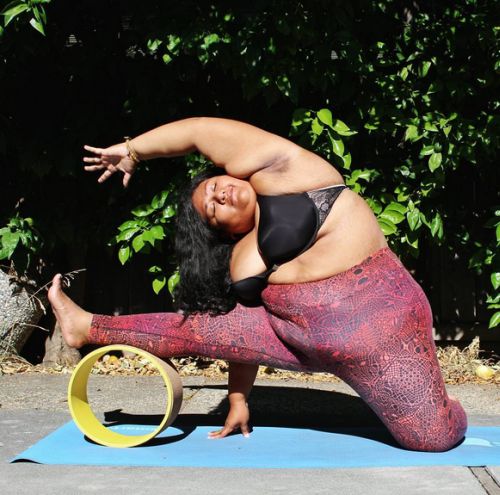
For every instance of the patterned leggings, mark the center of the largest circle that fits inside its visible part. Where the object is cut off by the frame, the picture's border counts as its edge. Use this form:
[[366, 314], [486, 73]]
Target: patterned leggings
[[370, 325]]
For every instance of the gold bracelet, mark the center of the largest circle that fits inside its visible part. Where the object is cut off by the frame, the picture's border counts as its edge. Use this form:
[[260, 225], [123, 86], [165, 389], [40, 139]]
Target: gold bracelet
[[131, 152]]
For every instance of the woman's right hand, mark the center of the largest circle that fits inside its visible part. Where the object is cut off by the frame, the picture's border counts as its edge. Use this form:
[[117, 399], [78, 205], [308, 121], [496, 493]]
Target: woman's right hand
[[113, 159]]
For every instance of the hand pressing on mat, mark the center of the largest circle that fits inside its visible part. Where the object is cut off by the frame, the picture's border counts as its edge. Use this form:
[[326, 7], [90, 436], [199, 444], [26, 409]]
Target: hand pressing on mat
[[237, 419], [240, 383]]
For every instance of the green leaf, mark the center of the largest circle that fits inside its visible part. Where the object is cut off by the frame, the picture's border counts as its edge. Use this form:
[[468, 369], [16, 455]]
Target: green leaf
[[159, 200], [437, 226], [13, 12], [341, 128], [413, 218], [316, 127], [429, 126], [168, 212], [337, 146], [325, 116], [37, 25], [124, 254], [411, 133], [424, 69], [130, 224], [9, 243], [157, 232], [158, 284], [427, 150], [173, 281], [374, 205], [403, 73], [435, 161], [359, 173], [142, 210], [397, 207], [138, 243], [3, 253], [154, 269], [126, 234], [495, 280], [347, 161], [497, 231], [494, 320], [393, 216], [147, 236], [413, 242], [388, 227]]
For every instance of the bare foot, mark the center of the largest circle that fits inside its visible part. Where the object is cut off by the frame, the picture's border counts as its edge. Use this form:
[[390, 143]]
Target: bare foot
[[74, 321]]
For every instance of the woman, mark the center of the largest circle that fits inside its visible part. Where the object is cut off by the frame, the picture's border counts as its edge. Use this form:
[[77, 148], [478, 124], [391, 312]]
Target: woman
[[320, 289]]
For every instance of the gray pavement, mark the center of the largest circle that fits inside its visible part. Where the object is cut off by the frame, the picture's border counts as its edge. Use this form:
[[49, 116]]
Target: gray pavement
[[33, 405]]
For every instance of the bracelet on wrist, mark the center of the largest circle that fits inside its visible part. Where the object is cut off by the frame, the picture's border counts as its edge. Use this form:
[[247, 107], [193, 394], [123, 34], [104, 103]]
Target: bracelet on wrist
[[132, 154]]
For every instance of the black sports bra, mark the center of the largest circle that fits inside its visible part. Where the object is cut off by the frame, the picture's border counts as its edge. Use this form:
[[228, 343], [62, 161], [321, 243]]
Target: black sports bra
[[288, 226]]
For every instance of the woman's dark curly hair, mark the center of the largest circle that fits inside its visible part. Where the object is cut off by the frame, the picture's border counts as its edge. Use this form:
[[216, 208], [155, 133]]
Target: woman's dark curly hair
[[203, 254]]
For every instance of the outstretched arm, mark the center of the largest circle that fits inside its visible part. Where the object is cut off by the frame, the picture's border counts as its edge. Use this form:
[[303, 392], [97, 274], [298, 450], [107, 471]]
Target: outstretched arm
[[240, 148], [241, 379]]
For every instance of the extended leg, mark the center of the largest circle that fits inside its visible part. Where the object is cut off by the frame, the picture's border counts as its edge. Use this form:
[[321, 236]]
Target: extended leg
[[243, 335]]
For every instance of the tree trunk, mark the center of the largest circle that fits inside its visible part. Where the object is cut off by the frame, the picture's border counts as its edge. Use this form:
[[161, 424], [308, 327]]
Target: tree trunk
[[19, 312], [57, 352]]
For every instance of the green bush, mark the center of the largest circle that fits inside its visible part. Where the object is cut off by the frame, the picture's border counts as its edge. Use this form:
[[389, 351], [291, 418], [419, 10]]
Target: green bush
[[402, 97]]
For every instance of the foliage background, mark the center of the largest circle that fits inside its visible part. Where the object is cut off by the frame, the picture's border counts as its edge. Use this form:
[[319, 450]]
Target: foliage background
[[401, 96]]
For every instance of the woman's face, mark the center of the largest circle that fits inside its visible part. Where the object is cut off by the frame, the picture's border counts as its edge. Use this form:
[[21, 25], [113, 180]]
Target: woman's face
[[226, 203]]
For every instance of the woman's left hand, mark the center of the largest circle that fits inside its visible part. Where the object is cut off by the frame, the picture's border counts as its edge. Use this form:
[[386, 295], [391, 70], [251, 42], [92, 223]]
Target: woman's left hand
[[237, 419]]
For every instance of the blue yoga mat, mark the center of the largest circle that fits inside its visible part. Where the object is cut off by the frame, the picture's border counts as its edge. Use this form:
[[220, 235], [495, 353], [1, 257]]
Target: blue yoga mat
[[267, 447]]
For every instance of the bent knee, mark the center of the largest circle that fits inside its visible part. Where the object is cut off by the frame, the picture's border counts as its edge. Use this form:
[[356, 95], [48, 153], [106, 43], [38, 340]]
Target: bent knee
[[439, 436]]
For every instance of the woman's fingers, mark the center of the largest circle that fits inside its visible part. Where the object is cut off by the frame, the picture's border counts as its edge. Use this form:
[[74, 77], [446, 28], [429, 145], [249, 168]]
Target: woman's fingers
[[245, 430], [126, 179], [93, 168], [97, 151], [106, 175], [227, 430], [91, 159], [224, 432]]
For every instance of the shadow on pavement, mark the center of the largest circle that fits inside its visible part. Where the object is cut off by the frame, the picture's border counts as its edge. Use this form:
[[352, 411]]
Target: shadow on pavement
[[286, 407]]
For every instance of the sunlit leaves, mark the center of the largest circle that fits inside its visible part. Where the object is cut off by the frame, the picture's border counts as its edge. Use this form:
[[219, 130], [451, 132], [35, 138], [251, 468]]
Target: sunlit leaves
[[15, 8], [325, 116], [411, 133], [124, 254], [435, 161], [146, 230], [173, 281]]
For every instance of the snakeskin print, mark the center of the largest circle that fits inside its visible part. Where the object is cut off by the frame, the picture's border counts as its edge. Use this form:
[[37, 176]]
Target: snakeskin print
[[324, 199], [370, 325]]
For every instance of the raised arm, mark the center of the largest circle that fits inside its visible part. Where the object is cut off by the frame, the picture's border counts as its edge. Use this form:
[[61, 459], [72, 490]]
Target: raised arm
[[240, 148]]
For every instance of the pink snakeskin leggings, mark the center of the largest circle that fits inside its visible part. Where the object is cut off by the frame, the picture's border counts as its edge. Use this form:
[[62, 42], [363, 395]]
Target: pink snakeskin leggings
[[370, 325]]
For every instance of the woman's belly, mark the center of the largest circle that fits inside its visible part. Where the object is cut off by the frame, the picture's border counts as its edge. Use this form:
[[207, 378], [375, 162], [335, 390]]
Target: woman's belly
[[349, 235]]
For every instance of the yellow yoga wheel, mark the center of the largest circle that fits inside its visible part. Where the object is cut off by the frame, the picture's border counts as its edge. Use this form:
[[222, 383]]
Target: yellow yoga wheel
[[84, 417]]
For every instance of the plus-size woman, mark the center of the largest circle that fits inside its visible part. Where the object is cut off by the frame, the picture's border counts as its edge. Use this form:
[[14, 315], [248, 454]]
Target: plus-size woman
[[281, 265]]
